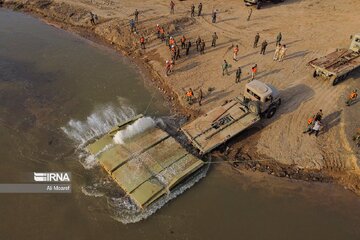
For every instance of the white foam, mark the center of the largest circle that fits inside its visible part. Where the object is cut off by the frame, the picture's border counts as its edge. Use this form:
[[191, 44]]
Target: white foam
[[97, 124], [137, 127]]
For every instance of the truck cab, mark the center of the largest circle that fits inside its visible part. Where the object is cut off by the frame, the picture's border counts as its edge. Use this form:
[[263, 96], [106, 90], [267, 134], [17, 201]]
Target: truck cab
[[355, 44], [261, 98]]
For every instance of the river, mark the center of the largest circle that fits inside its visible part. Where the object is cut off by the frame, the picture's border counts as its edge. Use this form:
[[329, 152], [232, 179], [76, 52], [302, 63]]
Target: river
[[52, 81]]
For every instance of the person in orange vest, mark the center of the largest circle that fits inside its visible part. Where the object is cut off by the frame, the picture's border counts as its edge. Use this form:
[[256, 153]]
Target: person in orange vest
[[172, 7], [352, 98], [171, 42], [310, 124], [189, 96], [253, 71], [183, 40], [142, 42], [236, 51]]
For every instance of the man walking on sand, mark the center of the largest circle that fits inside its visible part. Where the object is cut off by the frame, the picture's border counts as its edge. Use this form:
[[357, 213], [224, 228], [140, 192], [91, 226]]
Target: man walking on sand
[[214, 38], [282, 53], [198, 42], [278, 38], [202, 47], [188, 46], [263, 47], [236, 51], [172, 7], [225, 68], [192, 10], [238, 75], [136, 14], [214, 16], [316, 128], [277, 52], [199, 9], [256, 41], [200, 98], [249, 16]]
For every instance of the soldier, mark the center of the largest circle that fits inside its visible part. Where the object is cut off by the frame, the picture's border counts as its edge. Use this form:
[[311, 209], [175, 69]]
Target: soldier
[[198, 42], [214, 38], [199, 9], [92, 18], [177, 52], [167, 39], [319, 115], [249, 16], [277, 52], [263, 47], [238, 75], [200, 97], [214, 17], [192, 10], [225, 68], [158, 29], [278, 38], [188, 46], [202, 47], [183, 41], [172, 7], [257, 37], [136, 14]]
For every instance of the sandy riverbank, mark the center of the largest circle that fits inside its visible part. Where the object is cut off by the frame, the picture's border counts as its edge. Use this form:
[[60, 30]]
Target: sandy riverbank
[[309, 30]]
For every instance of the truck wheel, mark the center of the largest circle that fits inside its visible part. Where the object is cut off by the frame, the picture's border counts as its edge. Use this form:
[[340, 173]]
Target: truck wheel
[[315, 74], [254, 107], [258, 5], [271, 112], [334, 81]]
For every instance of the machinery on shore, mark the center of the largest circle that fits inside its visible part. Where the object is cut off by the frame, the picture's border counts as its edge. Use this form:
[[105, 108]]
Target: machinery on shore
[[147, 163], [337, 65], [259, 3], [224, 122]]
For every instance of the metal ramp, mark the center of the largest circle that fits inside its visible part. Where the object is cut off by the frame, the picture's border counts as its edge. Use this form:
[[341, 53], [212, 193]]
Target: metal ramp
[[219, 125], [146, 166]]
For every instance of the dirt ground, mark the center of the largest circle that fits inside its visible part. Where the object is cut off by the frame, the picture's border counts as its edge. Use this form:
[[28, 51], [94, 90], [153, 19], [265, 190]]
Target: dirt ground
[[310, 29]]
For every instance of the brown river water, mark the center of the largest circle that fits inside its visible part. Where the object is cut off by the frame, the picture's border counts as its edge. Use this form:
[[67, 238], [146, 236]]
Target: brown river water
[[58, 90]]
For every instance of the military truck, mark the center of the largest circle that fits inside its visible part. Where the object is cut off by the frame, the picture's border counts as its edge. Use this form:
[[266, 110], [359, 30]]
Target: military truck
[[336, 66], [259, 3], [224, 122]]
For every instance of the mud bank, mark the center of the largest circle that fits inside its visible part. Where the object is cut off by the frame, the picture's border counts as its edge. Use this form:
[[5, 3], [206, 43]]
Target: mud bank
[[114, 32]]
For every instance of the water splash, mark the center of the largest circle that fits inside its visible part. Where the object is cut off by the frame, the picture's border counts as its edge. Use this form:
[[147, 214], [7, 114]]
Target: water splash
[[137, 127], [97, 124]]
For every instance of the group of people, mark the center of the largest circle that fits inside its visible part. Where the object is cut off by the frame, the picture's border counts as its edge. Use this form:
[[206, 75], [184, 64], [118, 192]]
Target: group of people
[[192, 10], [190, 97], [314, 123]]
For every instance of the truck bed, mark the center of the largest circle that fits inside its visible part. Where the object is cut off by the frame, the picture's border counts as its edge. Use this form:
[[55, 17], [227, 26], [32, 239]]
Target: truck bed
[[217, 126], [337, 63]]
